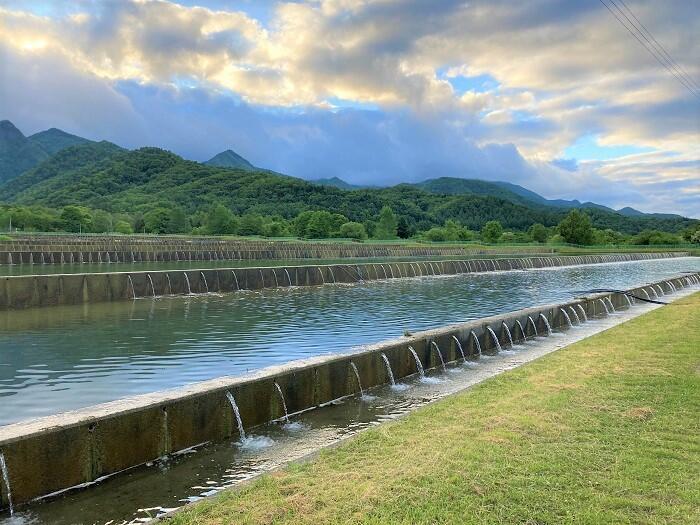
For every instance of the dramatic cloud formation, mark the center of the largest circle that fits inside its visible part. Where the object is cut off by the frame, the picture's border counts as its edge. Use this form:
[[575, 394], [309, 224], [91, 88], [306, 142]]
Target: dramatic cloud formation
[[551, 94]]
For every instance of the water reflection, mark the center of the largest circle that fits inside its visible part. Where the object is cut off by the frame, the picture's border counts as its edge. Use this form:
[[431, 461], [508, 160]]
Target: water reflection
[[61, 358]]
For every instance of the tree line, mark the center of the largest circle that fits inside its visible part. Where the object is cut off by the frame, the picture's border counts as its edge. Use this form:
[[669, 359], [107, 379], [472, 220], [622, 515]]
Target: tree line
[[575, 228]]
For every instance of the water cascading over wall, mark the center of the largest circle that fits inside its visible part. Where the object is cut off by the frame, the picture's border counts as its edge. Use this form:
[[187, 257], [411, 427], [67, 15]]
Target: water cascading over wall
[[57, 452], [28, 291]]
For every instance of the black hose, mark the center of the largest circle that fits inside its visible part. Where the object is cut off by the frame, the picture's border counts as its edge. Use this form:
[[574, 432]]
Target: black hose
[[623, 292]]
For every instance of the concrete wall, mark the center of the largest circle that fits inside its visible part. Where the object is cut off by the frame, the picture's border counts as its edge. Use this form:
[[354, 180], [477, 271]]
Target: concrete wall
[[115, 249], [28, 291], [57, 452]]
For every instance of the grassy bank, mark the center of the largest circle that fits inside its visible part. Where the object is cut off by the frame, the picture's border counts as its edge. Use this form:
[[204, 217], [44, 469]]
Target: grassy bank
[[605, 431]]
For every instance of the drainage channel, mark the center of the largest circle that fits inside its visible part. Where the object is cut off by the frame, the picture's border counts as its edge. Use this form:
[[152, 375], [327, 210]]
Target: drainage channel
[[160, 487]]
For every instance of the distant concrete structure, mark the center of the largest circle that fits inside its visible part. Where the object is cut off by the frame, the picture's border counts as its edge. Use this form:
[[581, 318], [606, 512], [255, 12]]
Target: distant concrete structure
[[27, 291]]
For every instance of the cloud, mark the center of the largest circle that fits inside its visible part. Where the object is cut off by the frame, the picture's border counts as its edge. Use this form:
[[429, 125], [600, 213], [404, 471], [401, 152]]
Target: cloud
[[557, 70]]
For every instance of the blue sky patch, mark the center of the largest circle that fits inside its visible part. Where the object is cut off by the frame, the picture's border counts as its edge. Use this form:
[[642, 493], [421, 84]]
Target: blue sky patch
[[588, 148]]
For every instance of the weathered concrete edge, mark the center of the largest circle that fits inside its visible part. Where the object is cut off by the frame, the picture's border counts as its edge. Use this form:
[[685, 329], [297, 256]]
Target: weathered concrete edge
[[51, 454], [311, 456], [29, 291]]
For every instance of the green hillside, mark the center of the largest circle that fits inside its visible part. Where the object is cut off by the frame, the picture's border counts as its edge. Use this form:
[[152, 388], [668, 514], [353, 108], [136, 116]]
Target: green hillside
[[105, 177], [19, 153], [229, 159]]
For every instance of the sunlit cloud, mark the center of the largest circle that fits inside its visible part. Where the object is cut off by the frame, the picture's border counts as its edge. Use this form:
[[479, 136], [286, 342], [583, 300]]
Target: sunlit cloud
[[531, 77]]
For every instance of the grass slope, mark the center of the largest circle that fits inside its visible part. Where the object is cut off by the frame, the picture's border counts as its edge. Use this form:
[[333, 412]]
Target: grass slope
[[605, 431]]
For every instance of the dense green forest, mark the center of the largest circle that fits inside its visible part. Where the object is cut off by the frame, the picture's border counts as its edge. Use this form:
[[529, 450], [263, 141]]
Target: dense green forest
[[101, 187]]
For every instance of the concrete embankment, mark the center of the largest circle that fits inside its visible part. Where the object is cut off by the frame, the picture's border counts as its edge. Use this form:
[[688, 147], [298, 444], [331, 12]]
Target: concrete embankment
[[134, 249], [55, 453], [28, 291]]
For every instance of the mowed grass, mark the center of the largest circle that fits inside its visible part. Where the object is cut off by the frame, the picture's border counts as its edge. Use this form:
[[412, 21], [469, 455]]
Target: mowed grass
[[604, 431]]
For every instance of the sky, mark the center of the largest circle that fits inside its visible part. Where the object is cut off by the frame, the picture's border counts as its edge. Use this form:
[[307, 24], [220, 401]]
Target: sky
[[554, 95]]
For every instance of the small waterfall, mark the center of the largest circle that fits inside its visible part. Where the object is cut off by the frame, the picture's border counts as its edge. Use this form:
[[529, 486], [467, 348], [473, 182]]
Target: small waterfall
[[612, 308], [43, 261], [206, 286], [522, 330], [388, 369], [236, 413], [461, 350], [262, 279], [439, 353], [131, 283], [109, 261], [546, 323], [6, 479], [573, 311], [289, 279], [532, 322], [170, 285], [187, 280], [236, 279], [476, 342], [646, 293], [419, 365], [357, 376], [391, 271], [656, 296], [568, 319], [284, 404], [330, 268], [277, 283], [323, 280], [510, 337], [627, 298], [661, 289], [605, 306], [495, 338], [384, 270], [153, 288]]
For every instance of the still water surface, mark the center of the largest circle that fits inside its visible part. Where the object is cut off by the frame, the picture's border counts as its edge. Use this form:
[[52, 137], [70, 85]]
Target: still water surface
[[61, 358], [142, 493]]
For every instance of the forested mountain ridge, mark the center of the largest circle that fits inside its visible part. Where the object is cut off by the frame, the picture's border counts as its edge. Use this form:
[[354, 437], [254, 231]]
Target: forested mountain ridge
[[105, 177], [229, 159], [19, 153]]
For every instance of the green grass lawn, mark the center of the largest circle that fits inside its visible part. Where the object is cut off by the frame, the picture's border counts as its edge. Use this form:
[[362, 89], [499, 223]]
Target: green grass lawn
[[604, 431]]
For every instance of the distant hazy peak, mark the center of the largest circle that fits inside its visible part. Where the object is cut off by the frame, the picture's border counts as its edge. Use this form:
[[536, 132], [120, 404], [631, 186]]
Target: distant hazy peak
[[229, 159]]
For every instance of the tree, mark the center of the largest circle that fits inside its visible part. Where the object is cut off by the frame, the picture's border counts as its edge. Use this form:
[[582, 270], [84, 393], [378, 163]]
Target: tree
[[76, 219], [403, 229], [123, 227], [538, 232], [157, 220], [220, 220], [320, 225], [101, 221], [387, 225], [276, 227], [251, 224], [576, 228], [491, 231], [353, 230], [139, 224], [178, 222]]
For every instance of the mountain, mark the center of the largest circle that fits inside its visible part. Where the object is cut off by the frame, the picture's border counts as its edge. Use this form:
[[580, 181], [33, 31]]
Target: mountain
[[61, 170], [336, 182], [19, 153], [104, 176], [519, 195], [230, 159], [54, 140], [630, 212]]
